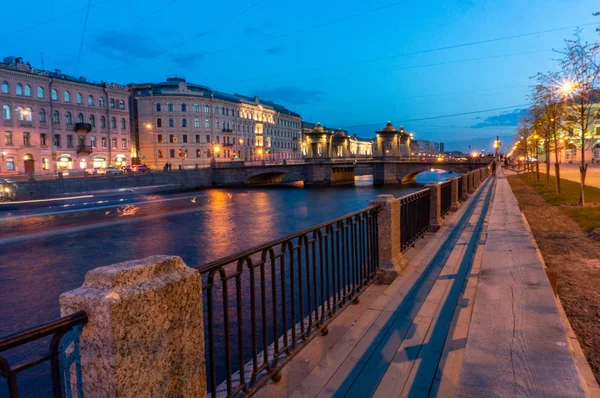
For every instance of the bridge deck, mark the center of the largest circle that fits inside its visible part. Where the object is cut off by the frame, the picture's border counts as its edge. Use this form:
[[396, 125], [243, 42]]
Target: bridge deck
[[410, 338]]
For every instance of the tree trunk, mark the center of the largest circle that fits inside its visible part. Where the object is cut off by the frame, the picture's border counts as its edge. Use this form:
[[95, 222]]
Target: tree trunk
[[547, 171], [557, 172]]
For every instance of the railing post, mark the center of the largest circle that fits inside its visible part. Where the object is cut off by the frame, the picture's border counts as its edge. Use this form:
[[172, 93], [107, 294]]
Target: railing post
[[475, 179], [391, 260], [465, 190], [435, 207], [145, 334], [455, 204]]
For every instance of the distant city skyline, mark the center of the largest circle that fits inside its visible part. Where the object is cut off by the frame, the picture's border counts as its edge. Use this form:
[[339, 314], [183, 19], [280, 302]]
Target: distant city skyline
[[455, 72]]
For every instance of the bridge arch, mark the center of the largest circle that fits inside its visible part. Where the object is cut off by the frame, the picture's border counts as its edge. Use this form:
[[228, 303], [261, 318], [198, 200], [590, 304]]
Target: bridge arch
[[411, 177], [267, 178]]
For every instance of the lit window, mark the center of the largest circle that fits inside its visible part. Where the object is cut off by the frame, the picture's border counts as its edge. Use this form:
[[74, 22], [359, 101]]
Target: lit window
[[5, 112], [124, 143], [10, 164]]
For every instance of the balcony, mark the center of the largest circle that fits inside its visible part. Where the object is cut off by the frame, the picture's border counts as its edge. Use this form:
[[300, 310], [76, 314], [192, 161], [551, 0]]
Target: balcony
[[227, 130], [82, 149], [83, 126], [227, 144]]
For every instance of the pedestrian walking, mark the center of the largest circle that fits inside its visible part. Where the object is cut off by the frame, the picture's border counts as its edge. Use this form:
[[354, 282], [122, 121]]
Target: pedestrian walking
[[166, 168], [170, 166], [494, 167]]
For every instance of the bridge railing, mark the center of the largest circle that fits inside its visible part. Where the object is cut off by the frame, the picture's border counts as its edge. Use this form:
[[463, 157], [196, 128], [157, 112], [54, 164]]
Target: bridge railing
[[263, 304], [460, 188], [446, 198]]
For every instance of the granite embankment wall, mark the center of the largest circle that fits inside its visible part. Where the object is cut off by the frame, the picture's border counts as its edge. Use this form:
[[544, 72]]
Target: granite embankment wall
[[187, 179]]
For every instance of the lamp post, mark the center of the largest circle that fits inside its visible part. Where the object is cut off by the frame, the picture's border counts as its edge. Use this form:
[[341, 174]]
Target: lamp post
[[4, 153]]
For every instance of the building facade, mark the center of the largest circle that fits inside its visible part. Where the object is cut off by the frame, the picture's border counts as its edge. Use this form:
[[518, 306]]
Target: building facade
[[188, 124], [55, 122], [429, 148]]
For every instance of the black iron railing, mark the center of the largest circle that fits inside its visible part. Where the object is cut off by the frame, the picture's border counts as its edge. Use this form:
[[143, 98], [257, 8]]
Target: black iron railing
[[262, 305], [414, 217], [57, 329], [460, 188], [446, 198]]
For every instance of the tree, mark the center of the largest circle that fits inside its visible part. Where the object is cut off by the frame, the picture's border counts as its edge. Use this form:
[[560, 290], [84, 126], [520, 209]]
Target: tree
[[580, 65]]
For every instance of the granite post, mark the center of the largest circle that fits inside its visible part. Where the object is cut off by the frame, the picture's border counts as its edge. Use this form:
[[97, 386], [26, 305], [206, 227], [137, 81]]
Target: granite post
[[435, 207], [391, 260], [144, 336], [455, 204], [465, 191], [475, 179]]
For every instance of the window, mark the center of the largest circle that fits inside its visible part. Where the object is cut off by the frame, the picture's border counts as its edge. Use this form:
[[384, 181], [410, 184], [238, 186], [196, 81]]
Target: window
[[172, 153], [54, 95], [102, 122], [56, 140], [114, 143], [223, 110], [170, 107], [69, 141], [93, 142], [55, 117], [28, 114], [206, 109], [597, 130], [112, 102], [185, 137], [196, 108], [158, 122], [19, 89], [90, 100], [104, 143], [216, 110], [159, 138], [79, 98], [160, 153], [207, 139], [45, 164], [121, 104], [5, 112], [5, 87], [93, 120], [67, 96], [124, 143], [171, 138], [184, 122], [206, 123], [27, 90], [101, 102], [8, 138], [171, 122], [40, 92], [80, 117], [183, 107], [43, 139], [217, 139], [197, 138], [158, 107], [19, 113], [123, 124], [196, 123], [217, 123], [10, 164], [113, 122], [68, 118], [198, 153]]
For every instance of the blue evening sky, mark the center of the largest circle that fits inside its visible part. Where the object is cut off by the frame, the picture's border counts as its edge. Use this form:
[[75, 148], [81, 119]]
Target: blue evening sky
[[346, 63]]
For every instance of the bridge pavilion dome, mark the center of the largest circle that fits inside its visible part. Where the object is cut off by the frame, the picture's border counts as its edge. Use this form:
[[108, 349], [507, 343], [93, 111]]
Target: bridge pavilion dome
[[340, 136], [388, 129]]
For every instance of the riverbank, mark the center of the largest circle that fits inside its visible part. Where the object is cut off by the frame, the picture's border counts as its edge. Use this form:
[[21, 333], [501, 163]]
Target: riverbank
[[568, 250]]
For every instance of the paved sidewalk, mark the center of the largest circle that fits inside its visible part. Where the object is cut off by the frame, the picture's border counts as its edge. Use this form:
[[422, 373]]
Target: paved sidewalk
[[408, 338], [571, 172]]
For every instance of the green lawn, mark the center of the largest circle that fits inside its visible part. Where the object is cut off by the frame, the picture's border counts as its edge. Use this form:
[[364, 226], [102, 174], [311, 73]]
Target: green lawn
[[587, 217]]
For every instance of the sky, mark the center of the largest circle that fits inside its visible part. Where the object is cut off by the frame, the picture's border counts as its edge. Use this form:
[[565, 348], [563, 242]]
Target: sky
[[452, 71]]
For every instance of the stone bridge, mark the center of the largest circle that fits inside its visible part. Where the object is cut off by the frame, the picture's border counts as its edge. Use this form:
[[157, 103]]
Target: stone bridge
[[330, 173]]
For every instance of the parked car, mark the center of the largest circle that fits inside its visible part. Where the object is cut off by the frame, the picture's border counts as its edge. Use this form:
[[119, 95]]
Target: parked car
[[8, 190], [126, 169], [92, 171], [112, 171], [141, 168]]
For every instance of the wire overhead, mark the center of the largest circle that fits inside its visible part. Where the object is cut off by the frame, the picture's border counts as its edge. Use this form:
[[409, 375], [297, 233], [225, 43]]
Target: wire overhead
[[87, 13]]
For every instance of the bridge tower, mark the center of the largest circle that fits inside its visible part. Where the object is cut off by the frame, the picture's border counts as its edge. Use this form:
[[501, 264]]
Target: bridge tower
[[341, 144], [318, 143], [388, 142]]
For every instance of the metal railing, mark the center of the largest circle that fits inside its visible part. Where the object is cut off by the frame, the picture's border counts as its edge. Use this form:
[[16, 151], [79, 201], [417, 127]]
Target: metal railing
[[460, 181], [414, 217], [57, 329], [262, 305], [446, 198]]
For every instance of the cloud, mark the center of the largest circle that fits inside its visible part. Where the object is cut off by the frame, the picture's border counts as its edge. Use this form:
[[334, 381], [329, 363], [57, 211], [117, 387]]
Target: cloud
[[188, 60], [274, 50], [124, 46], [508, 119], [291, 95]]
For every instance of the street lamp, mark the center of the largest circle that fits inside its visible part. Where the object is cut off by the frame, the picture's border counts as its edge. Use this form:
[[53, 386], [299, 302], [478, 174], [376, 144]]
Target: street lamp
[[4, 153]]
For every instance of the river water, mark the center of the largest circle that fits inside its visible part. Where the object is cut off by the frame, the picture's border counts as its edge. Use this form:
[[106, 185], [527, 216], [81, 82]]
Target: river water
[[199, 227]]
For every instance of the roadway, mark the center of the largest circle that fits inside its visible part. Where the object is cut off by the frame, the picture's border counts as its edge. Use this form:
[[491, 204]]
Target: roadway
[[570, 171]]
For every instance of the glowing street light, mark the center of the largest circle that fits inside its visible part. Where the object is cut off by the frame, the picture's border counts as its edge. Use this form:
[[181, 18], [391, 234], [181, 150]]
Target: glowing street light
[[567, 87], [216, 149], [241, 141], [148, 125], [260, 151]]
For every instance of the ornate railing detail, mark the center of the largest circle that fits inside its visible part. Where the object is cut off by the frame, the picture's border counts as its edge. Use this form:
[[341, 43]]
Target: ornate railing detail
[[414, 217], [262, 305], [446, 198], [57, 329]]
